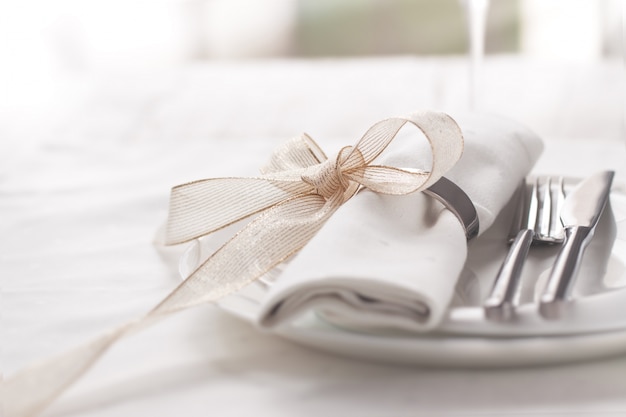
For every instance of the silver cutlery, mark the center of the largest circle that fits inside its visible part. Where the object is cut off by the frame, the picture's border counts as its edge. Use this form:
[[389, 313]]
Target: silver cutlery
[[580, 213], [536, 221]]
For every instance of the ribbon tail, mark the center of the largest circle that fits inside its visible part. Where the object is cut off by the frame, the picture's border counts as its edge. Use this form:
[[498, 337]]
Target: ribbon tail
[[265, 242], [29, 391], [202, 207]]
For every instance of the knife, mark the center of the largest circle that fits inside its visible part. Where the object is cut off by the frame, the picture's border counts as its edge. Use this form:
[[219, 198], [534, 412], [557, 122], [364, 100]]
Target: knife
[[580, 213]]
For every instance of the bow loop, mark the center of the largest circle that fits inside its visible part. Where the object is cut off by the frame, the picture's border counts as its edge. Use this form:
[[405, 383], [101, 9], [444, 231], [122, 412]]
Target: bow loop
[[297, 153]]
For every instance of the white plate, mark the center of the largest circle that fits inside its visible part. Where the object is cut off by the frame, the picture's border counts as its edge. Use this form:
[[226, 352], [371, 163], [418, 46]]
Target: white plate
[[595, 325]]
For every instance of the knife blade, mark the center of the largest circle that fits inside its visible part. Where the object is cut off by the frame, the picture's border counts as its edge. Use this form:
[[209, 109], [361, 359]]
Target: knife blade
[[580, 213]]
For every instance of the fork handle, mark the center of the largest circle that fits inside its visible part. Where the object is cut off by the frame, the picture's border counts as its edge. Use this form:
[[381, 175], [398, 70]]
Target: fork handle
[[501, 301], [564, 271]]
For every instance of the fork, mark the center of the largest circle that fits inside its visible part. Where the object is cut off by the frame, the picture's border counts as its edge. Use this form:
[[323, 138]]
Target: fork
[[536, 221]]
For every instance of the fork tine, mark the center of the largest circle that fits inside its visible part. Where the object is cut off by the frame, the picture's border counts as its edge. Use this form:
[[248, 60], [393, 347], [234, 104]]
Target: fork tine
[[542, 228], [558, 198], [533, 206]]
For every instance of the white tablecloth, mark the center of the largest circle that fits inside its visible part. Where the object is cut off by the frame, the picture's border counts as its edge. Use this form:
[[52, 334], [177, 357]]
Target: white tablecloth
[[84, 183]]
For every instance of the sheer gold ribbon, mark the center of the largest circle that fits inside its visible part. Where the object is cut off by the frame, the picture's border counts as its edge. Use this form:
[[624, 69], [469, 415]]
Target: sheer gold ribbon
[[298, 191]]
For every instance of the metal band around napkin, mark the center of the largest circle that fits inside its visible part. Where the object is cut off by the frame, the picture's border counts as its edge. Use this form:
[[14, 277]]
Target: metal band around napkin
[[299, 190]]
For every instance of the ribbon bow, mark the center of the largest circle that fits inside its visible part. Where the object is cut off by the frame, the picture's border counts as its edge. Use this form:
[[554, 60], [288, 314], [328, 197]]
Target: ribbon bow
[[299, 189]]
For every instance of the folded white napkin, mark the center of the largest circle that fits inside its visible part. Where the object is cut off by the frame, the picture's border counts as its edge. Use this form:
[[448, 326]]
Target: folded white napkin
[[392, 262]]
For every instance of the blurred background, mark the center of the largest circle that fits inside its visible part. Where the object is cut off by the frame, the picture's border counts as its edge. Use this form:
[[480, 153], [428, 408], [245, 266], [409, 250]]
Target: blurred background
[[92, 35], [46, 45]]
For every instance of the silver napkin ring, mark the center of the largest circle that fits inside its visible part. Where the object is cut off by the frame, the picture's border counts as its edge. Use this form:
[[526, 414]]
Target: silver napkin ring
[[455, 200]]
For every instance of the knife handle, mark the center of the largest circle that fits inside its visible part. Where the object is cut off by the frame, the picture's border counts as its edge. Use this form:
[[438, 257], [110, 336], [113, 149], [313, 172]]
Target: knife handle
[[564, 271]]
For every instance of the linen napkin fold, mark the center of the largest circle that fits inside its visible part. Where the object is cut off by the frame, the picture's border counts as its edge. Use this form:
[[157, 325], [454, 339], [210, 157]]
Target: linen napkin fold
[[387, 262]]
